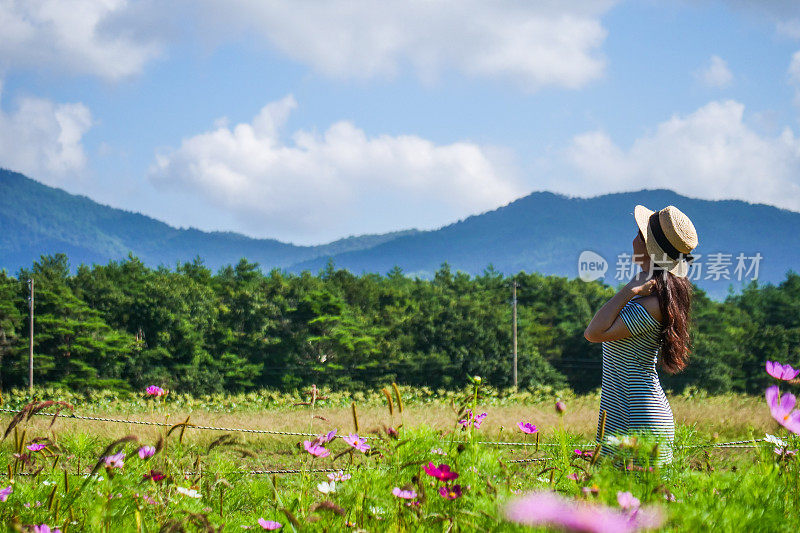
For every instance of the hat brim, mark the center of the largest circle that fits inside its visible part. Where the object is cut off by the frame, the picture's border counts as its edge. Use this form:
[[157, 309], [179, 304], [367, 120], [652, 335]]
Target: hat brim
[[657, 255]]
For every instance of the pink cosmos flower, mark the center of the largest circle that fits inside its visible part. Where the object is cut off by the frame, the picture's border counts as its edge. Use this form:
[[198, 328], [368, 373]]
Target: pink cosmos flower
[[359, 443], [269, 524], [4, 493], [441, 472], [527, 427], [36, 446], [153, 390], [315, 449], [115, 461], [155, 475], [44, 528], [573, 476], [626, 500], [472, 420], [781, 407], [338, 476], [324, 439], [560, 407], [547, 508], [450, 493], [405, 494], [779, 371], [146, 451]]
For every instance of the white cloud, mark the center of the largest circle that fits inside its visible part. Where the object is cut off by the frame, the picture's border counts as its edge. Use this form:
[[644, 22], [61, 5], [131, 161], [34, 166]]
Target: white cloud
[[43, 139], [315, 188], [532, 43], [716, 73], [70, 36], [710, 153]]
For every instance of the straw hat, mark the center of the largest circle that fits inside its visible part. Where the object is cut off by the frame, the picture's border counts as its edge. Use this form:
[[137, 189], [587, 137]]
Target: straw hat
[[669, 236]]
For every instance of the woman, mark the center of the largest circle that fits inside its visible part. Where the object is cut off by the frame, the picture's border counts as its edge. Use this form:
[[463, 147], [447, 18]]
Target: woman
[[646, 322]]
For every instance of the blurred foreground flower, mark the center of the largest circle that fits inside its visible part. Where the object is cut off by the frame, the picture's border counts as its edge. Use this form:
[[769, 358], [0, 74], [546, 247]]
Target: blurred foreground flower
[[527, 427], [4, 493], [550, 509], [779, 371], [269, 524], [44, 528], [781, 407], [560, 407], [356, 442], [152, 390]]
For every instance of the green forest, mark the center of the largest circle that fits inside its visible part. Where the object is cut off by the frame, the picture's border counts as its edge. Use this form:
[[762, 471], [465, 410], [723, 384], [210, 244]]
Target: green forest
[[125, 326]]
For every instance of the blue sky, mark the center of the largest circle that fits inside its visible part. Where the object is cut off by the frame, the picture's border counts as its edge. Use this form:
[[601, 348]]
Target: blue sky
[[311, 121]]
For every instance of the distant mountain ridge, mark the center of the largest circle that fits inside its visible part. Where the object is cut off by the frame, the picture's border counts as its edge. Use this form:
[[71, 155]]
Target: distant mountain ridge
[[542, 232]]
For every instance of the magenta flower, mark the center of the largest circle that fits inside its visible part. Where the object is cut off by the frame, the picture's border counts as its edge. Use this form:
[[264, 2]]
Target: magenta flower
[[527, 427], [472, 420], [359, 443], [146, 451], [36, 446], [4, 493], [441, 472], [560, 407], [315, 449], [779, 371], [155, 475], [578, 452], [573, 476], [269, 524], [551, 509], [152, 390], [405, 494], [450, 493], [781, 407], [115, 461]]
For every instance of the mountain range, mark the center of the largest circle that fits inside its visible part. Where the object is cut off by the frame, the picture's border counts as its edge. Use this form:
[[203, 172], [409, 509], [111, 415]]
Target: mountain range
[[543, 232]]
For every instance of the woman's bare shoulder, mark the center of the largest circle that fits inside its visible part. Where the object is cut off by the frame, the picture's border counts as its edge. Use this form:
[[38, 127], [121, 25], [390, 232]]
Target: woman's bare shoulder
[[650, 303]]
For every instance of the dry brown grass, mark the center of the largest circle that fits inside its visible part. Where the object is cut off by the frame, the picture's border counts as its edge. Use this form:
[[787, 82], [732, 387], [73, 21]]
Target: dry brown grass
[[730, 417]]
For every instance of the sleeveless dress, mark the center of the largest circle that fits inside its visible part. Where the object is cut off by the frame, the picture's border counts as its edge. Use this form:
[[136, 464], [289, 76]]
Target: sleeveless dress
[[631, 393]]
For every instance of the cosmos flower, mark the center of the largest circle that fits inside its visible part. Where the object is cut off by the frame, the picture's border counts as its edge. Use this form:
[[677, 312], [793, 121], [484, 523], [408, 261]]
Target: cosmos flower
[[626, 500], [315, 449], [356, 442], [115, 461], [146, 451], [44, 528], [472, 420], [326, 488], [438, 451], [36, 446], [779, 371], [781, 407], [4, 493], [441, 472], [326, 438], [192, 493], [547, 508], [450, 493], [269, 524], [153, 390], [338, 476], [405, 494], [777, 441], [155, 475], [527, 427], [560, 407]]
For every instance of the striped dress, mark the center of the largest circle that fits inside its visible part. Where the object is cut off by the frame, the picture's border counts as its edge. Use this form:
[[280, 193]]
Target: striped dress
[[631, 393]]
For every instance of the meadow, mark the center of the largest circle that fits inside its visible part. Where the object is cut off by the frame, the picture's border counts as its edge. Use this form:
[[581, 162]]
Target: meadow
[[78, 474]]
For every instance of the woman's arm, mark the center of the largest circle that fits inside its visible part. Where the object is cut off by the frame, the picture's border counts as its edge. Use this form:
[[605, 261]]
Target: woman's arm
[[607, 324]]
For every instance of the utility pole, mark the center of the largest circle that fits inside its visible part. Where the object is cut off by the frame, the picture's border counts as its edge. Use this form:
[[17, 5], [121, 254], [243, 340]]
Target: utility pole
[[514, 333], [30, 352]]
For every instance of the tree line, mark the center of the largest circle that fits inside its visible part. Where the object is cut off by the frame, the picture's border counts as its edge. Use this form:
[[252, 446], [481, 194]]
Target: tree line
[[125, 326]]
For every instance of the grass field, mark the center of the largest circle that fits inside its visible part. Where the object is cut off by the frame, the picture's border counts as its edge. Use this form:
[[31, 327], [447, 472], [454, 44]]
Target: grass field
[[206, 485]]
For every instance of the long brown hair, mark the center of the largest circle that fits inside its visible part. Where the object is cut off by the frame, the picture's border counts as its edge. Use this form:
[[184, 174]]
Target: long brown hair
[[675, 301]]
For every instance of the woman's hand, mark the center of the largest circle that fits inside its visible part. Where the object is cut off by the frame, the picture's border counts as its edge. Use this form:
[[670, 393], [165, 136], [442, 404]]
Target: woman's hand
[[642, 285]]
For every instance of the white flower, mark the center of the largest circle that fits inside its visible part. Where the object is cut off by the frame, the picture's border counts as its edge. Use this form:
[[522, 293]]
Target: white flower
[[438, 451], [188, 492], [48, 482], [777, 441], [327, 488], [376, 510], [613, 441]]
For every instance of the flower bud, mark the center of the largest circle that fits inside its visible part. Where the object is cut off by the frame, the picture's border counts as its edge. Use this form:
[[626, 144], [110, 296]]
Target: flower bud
[[560, 407]]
